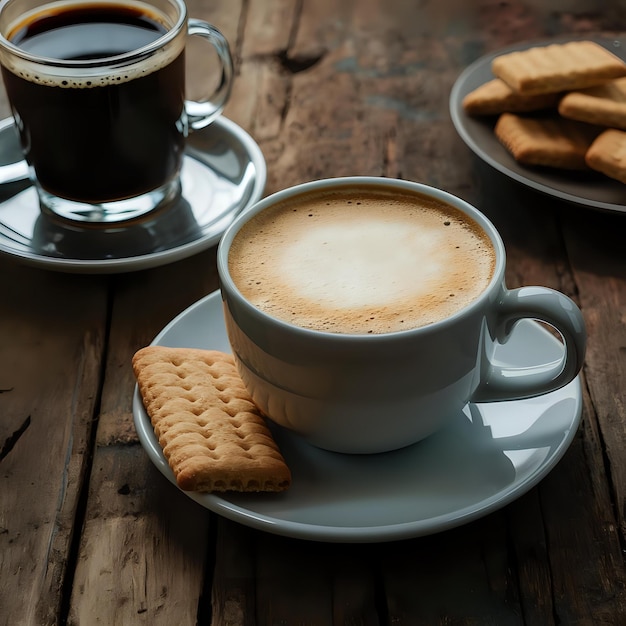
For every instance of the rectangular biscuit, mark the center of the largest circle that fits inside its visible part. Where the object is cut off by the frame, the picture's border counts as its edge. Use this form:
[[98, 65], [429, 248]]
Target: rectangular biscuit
[[558, 67], [495, 97], [604, 105], [607, 154], [546, 141], [212, 434]]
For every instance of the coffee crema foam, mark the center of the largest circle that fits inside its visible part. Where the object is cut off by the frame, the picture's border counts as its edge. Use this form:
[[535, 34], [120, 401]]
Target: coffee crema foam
[[361, 262], [85, 77]]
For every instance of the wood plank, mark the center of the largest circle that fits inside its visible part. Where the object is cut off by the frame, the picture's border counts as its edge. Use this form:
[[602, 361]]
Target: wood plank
[[327, 583], [462, 576], [596, 246], [587, 581], [573, 571], [326, 137], [258, 100], [261, 578], [52, 344], [530, 558], [583, 585], [268, 27], [143, 540], [291, 581], [142, 554], [233, 585], [597, 252], [356, 589]]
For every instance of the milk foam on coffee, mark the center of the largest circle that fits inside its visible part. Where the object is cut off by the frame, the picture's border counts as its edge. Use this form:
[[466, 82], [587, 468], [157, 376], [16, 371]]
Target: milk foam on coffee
[[361, 262]]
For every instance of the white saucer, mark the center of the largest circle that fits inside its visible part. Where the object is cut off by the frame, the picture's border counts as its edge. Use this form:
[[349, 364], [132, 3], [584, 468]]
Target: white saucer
[[223, 173], [588, 189], [482, 461]]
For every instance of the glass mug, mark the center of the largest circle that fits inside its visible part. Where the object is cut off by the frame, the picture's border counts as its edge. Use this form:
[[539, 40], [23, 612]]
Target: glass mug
[[97, 91]]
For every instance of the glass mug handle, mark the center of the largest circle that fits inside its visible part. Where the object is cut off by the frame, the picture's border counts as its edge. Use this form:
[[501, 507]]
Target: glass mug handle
[[199, 114], [553, 308], [202, 113]]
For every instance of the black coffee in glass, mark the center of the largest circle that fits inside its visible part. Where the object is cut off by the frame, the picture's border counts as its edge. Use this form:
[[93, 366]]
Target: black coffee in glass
[[98, 137]]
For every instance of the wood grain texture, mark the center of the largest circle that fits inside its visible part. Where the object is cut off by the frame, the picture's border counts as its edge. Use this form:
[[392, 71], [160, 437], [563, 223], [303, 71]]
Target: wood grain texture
[[90, 532], [143, 546], [142, 539], [52, 347]]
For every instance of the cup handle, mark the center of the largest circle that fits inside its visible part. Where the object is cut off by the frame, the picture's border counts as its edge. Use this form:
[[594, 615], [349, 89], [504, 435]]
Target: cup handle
[[202, 113], [556, 309]]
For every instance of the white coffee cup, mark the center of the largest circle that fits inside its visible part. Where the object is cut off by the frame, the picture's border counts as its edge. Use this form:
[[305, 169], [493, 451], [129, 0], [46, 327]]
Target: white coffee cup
[[349, 387]]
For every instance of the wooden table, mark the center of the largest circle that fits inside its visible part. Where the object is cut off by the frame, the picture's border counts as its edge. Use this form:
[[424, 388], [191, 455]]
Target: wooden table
[[92, 533]]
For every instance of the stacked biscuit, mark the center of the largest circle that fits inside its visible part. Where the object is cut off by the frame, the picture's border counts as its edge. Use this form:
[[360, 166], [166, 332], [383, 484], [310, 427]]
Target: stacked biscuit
[[211, 432], [561, 105]]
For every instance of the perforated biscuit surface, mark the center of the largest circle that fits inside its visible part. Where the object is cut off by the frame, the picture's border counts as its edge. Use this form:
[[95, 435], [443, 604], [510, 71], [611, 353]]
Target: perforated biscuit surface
[[604, 105], [550, 142], [607, 154], [558, 67], [212, 434], [495, 96]]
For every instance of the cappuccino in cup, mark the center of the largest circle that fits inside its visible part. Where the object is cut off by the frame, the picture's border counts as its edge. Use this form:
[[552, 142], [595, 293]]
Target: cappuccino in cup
[[364, 313], [361, 261]]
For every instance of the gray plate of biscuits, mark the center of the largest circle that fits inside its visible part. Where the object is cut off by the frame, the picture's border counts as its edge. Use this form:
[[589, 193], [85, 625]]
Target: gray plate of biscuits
[[581, 185]]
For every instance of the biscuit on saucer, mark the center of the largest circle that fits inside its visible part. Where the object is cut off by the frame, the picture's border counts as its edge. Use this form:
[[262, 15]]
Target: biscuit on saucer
[[212, 434]]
